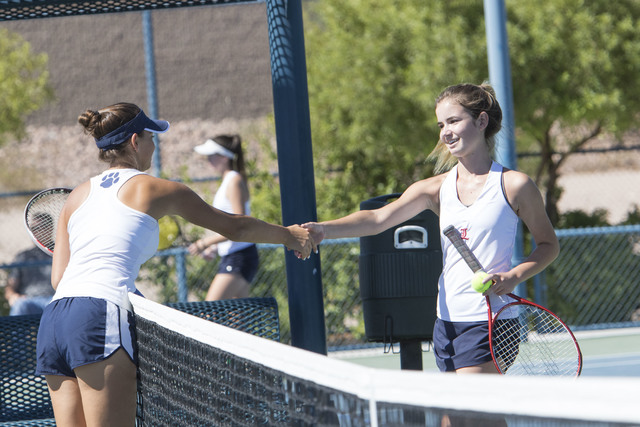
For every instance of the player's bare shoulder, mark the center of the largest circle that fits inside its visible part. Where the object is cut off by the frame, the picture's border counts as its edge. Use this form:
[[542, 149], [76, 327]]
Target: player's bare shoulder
[[514, 178], [515, 182], [430, 185], [429, 188], [150, 186], [519, 189]]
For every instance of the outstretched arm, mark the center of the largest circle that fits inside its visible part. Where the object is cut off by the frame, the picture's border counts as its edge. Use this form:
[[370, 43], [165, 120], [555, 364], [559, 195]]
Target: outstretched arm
[[171, 198], [418, 197]]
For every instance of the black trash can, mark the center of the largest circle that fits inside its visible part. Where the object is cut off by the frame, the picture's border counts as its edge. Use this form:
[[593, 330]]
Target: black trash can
[[399, 271]]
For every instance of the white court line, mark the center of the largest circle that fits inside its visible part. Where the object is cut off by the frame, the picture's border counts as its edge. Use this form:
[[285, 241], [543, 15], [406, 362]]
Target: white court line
[[606, 333], [607, 361]]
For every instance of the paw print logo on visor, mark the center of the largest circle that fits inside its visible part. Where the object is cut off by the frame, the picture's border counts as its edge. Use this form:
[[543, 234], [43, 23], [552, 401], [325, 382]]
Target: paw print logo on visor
[[110, 179]]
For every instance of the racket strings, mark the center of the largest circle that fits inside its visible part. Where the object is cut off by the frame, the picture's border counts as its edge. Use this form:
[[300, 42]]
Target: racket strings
[[42, 218], [534, 343], [506, 342], [45, 234]]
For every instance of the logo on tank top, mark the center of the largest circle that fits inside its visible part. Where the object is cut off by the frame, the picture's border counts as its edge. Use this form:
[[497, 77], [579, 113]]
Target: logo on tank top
[[463, 233], [110, 179]]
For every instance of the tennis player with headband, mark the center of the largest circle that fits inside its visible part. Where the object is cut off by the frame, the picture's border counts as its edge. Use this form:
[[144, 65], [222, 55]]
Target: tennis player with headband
[[483, 200], [107, 229]]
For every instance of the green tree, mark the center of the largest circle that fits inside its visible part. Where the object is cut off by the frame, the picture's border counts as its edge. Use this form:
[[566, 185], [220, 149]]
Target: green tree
[[573, 65], [375, 67], [580, 219], [24, 83]]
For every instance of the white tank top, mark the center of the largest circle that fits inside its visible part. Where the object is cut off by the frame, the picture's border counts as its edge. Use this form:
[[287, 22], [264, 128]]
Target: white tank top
[[222, 202], [109, 241], [489, 228]]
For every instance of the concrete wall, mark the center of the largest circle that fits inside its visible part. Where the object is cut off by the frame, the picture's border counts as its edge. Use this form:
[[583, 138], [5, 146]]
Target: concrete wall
[[212, 62]]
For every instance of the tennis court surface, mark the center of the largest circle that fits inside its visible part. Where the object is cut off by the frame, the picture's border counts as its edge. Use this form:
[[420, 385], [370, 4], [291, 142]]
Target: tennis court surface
[[197, 373], [606, 352]]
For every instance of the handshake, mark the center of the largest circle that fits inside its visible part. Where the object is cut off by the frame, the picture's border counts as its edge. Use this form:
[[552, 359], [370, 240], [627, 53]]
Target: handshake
[[305, 238]]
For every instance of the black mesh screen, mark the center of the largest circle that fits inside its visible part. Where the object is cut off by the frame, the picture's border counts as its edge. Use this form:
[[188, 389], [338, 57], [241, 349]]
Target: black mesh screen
[[257, 316], [24, 395], [187, 383]]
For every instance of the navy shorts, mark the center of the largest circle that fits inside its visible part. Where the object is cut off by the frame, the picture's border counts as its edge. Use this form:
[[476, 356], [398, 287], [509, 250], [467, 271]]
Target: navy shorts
[[460, 344], [78, 331], [244, 262]]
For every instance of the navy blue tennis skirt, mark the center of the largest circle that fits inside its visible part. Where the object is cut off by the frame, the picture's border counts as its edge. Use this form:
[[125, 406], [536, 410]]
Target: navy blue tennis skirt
[[460, 344], [77, 331]]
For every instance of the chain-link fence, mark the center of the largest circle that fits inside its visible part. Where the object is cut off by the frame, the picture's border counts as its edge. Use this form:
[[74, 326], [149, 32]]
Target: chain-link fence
[[593, 283]]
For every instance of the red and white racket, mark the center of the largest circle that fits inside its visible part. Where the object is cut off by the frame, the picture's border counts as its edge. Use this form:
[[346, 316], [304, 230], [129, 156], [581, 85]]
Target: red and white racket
[[41, 217], [525, 338]]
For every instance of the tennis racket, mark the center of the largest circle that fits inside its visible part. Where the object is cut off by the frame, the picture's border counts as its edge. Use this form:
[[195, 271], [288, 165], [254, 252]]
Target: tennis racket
[[41, 217], [524, 337]]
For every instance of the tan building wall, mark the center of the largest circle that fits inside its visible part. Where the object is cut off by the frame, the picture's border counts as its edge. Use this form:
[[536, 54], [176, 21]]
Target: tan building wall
[[212, 62]]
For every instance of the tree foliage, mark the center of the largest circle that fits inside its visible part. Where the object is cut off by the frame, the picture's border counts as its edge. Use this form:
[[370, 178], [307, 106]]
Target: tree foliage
[[573, 64], [376, 66], [24, 83]]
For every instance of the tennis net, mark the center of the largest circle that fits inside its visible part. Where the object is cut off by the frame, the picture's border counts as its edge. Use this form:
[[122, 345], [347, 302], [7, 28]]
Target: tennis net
[[197, 373]]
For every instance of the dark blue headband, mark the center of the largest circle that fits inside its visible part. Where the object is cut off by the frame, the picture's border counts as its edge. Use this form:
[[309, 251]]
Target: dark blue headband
[[136, 125]]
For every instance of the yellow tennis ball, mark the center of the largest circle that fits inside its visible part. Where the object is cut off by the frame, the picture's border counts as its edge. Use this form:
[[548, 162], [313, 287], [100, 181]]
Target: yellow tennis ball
[[476, 282], [168, 232]]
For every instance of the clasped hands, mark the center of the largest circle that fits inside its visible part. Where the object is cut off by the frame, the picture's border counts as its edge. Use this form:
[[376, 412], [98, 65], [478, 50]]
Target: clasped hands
[[315, 234]]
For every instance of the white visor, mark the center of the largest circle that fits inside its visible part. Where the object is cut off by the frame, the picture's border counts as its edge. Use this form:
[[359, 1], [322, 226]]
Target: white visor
[[210, 147]]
